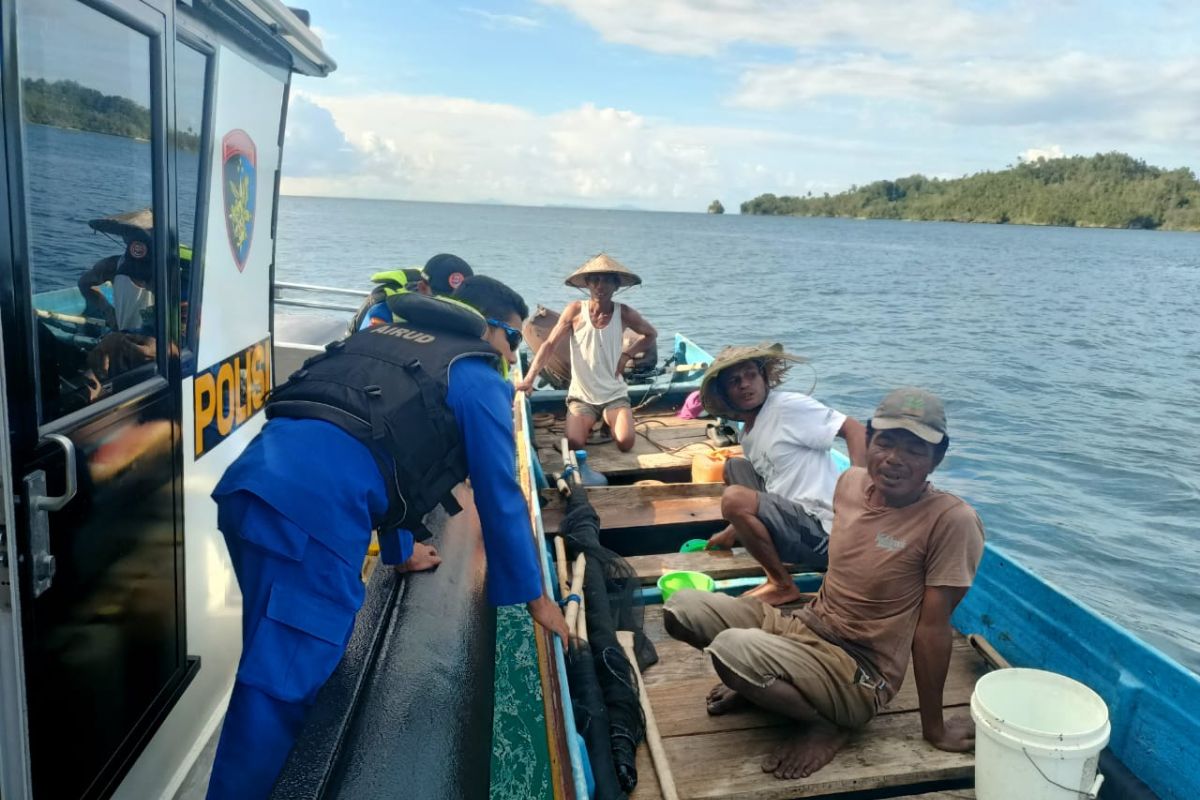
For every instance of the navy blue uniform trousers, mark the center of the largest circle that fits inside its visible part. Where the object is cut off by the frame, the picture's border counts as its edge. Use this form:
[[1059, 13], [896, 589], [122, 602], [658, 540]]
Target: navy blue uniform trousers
[[299, 602]]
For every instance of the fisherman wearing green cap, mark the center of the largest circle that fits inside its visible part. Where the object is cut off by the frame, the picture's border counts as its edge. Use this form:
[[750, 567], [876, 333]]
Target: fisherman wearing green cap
[[902, 554], [778, 500], [440, 277]]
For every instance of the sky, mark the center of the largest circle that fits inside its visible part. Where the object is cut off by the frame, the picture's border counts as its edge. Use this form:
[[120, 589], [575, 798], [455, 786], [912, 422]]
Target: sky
[[670, 104]]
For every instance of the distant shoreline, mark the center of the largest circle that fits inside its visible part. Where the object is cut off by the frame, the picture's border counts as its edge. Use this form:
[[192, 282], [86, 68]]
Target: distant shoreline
[[1107, 190], [1007, 224]]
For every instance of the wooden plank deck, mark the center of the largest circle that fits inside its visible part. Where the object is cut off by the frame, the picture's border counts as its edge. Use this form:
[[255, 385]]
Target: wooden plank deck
[[718, 564], [640, 506], [664, 442], [718, 757]]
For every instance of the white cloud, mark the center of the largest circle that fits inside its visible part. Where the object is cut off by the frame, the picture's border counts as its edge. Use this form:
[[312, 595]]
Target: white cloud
[[314, 144], [442, 148], [505, 20], [1040, 153], [1124, 97], [705, 27]]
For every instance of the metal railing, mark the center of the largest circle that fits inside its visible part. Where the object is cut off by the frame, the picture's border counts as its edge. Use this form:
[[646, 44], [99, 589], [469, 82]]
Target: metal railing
[[280, 300]]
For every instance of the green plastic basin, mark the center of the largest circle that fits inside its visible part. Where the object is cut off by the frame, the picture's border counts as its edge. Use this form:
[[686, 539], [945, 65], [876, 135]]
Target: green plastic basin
[[672, 582]]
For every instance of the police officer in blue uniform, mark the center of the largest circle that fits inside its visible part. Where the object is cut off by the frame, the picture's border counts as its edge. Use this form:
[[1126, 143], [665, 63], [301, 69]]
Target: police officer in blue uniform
[[345, 440]]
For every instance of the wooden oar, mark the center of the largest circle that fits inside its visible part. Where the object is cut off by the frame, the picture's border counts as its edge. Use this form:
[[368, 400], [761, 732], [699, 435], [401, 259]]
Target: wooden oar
[[658, 754]]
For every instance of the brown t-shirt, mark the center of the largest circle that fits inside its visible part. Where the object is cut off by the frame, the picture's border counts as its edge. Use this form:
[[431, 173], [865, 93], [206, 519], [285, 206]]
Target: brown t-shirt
[[880, 561]]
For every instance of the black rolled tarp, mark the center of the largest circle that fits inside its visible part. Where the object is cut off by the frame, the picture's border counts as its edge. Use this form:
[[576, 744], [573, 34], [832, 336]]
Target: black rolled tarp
[[408, 712], [612, 710]]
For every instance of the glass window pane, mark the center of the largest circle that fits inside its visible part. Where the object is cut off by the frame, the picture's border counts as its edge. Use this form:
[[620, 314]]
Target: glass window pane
[[85, 83], [190, 68]]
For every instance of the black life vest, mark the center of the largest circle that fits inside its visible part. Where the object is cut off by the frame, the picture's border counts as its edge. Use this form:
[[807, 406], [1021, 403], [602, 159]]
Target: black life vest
[[386, 386]]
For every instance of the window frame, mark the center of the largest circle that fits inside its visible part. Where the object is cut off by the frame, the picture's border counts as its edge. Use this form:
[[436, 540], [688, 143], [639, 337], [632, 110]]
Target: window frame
[[189, 341], [151, 23]]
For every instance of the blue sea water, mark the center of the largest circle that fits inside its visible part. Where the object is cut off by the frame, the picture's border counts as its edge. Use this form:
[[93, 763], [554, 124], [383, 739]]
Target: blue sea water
[[1069, 359]]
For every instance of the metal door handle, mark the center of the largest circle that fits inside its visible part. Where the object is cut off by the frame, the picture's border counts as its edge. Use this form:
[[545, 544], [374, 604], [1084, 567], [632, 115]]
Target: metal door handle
[[43, 562], [56, 503]]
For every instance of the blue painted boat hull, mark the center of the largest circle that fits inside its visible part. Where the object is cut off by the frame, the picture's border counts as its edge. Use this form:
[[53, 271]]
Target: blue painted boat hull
[[669, 389], [1153, 702]]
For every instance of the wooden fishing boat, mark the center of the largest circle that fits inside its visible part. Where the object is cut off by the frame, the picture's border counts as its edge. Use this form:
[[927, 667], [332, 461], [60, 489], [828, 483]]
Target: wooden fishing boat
[[651, 506], [499, 684]]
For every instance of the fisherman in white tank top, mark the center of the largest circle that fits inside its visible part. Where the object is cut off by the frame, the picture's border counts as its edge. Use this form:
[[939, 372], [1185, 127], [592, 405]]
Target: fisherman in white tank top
[[596, 327]]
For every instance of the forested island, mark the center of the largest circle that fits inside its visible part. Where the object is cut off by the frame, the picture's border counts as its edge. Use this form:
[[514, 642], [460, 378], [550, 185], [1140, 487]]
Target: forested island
[[1107, 190], [67, 104]]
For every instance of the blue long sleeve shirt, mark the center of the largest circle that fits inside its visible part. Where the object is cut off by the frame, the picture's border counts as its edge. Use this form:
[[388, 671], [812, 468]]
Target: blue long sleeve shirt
[[326, 481]]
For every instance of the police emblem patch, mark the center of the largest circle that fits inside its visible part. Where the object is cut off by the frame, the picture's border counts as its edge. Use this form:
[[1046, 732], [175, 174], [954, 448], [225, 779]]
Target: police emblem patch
[[239, 161], [455, 280]]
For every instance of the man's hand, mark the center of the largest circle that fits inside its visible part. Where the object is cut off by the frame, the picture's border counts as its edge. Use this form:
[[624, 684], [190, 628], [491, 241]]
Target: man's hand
[[120, 352], [957, 735], [525, 385], [545, 612]]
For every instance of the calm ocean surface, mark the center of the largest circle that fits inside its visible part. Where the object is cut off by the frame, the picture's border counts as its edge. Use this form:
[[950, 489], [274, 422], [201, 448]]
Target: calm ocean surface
[[1069, 359]]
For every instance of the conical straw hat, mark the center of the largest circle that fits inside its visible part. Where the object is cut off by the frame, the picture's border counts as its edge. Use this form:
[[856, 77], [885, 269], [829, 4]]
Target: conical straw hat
[[774, 361], [130, 223], [603, 264]]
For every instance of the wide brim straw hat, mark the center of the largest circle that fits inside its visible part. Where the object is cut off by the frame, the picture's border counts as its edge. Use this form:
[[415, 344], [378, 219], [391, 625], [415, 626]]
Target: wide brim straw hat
[[601, 265], [775, 365], [139, 223]]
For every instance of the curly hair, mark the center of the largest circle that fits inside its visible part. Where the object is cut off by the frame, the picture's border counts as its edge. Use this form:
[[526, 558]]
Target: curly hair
[[773, 370]]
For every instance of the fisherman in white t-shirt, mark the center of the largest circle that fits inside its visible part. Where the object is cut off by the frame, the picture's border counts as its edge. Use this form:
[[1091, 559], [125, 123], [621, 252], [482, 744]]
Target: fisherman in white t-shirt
[[778, 500]]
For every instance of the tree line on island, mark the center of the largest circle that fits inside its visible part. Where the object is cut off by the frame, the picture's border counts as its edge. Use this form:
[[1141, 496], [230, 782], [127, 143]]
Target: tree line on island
[[1107, 190], [71, 105]]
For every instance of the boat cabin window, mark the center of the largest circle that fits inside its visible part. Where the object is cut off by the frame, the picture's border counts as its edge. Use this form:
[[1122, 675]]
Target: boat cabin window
[[191, 84], [87, 129]]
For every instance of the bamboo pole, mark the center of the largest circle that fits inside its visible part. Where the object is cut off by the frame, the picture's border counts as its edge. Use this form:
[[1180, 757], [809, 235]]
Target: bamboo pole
[[560, 558], [658, 754], [572, 611]]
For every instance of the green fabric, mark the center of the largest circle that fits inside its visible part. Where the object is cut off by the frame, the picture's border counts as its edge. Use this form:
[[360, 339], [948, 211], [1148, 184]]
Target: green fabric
[[520, 759]]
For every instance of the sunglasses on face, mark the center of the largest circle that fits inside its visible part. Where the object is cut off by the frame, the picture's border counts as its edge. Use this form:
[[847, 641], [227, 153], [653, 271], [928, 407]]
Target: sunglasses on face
[[510, 333]]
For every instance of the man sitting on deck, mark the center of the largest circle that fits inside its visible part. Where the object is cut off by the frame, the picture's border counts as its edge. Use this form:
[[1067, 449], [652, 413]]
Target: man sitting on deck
[[901, 557], [778, 499]]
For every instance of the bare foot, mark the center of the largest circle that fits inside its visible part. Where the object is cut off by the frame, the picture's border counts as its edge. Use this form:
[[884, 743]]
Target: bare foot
[[723, 540], [806, 752], [722, 700], [775, 594], [424, 557]]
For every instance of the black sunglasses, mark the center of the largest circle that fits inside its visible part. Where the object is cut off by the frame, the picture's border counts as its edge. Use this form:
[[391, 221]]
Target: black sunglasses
[[510, 333]]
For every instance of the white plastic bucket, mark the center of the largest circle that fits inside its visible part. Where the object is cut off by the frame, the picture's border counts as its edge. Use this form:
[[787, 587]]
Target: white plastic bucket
[[1038, 736]]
